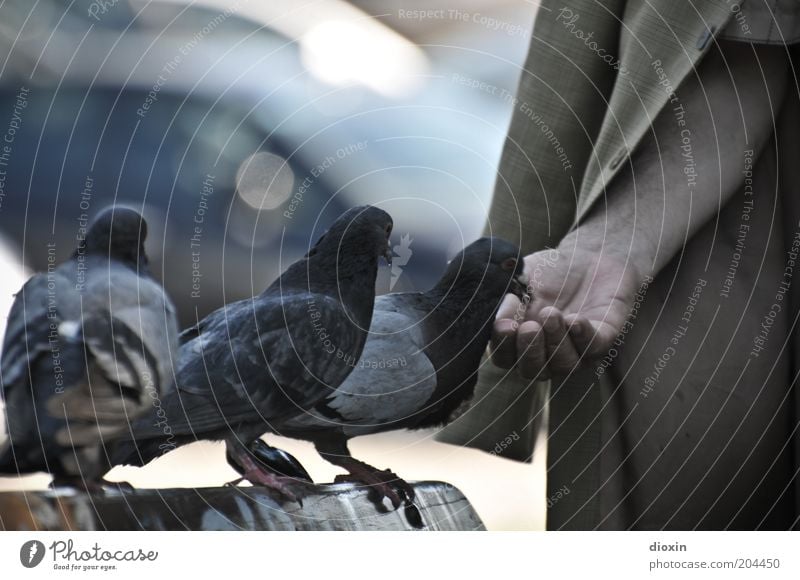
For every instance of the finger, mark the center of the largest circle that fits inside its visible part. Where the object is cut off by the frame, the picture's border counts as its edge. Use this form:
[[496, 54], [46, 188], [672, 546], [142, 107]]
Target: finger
[[580, 331], [503, 344], [594, 337], [604, 336], [511, 308], [532, 351], [561, 354]]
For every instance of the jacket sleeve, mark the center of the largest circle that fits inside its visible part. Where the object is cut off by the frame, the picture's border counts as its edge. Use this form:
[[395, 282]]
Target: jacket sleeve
[[559, 108]]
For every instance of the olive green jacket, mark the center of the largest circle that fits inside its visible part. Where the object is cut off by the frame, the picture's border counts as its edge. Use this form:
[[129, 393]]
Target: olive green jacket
[[597, 74]]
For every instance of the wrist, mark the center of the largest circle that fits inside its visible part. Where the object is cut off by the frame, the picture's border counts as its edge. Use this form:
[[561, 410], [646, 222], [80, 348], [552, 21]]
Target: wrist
[[624, 245]]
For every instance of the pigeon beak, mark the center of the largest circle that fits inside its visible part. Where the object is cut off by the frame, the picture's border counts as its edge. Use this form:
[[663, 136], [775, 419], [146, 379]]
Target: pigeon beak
[[519, 287], [387, 253]]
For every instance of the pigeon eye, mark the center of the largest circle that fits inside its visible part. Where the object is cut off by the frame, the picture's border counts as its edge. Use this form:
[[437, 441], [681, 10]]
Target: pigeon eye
[[509, 264], [389, 229]]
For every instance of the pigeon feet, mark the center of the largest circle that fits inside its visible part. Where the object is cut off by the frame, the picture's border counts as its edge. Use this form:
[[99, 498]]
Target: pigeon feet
[[278, 461], [288, 488], [382, 484]]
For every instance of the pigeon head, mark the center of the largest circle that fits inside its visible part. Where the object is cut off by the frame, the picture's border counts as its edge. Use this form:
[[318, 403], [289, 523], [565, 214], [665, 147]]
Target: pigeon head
[[361, 233], [118, 233], [489, 266]]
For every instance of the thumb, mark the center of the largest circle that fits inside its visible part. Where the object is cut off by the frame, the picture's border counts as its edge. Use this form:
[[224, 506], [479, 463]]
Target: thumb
[[504, 332]]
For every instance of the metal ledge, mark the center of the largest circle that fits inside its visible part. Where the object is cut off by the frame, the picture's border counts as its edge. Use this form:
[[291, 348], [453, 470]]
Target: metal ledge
[[328, 507]]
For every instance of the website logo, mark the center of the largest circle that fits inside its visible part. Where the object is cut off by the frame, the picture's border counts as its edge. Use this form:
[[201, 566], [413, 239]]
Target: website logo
[[31, 553], [403, 252]]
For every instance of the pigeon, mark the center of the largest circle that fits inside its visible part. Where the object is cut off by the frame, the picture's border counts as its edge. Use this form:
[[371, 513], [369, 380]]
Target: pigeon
[[89, 346], [418, 369], [250, 363]]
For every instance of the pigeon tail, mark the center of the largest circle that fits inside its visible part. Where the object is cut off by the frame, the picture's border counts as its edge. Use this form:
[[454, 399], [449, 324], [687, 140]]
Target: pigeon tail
[[142, 451]]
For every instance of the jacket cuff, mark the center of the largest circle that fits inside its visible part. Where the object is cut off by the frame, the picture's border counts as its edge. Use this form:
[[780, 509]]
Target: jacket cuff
[[504, 418]]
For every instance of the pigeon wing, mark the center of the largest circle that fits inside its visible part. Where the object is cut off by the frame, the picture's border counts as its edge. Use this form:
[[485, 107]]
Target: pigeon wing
[[130, 330], [392, 381], [39, 309], [259, 360], [127, 334]]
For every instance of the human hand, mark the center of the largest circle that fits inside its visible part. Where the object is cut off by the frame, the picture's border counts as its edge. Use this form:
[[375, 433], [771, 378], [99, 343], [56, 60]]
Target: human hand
[[581, 299]]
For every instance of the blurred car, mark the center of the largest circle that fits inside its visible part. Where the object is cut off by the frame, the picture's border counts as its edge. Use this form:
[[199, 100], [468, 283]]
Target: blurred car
[[242, 130]]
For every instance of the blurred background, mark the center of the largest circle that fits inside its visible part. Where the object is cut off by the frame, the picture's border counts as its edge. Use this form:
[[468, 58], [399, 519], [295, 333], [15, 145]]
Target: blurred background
[[241, 129]]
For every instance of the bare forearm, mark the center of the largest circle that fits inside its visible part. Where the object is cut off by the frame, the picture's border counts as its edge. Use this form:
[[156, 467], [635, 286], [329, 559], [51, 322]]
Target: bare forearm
[[680, 176], [692, 162]]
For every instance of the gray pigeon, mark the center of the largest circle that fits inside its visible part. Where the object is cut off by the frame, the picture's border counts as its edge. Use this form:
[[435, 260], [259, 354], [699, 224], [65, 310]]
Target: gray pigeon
[[89, 346], [418, 368], [249, 364]]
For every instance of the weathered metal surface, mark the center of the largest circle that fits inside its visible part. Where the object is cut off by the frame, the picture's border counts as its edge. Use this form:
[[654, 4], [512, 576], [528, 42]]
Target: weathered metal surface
[[327, 507]]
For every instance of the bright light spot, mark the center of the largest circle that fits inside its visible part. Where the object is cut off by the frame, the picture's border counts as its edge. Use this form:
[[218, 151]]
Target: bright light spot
[[14, 276], [264, 180], [334, 102], [340, 52]]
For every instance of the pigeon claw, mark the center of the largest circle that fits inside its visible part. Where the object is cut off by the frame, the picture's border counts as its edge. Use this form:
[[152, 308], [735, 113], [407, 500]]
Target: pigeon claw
[[378, 490], [382, 485], [413, 516], [287, 488]]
